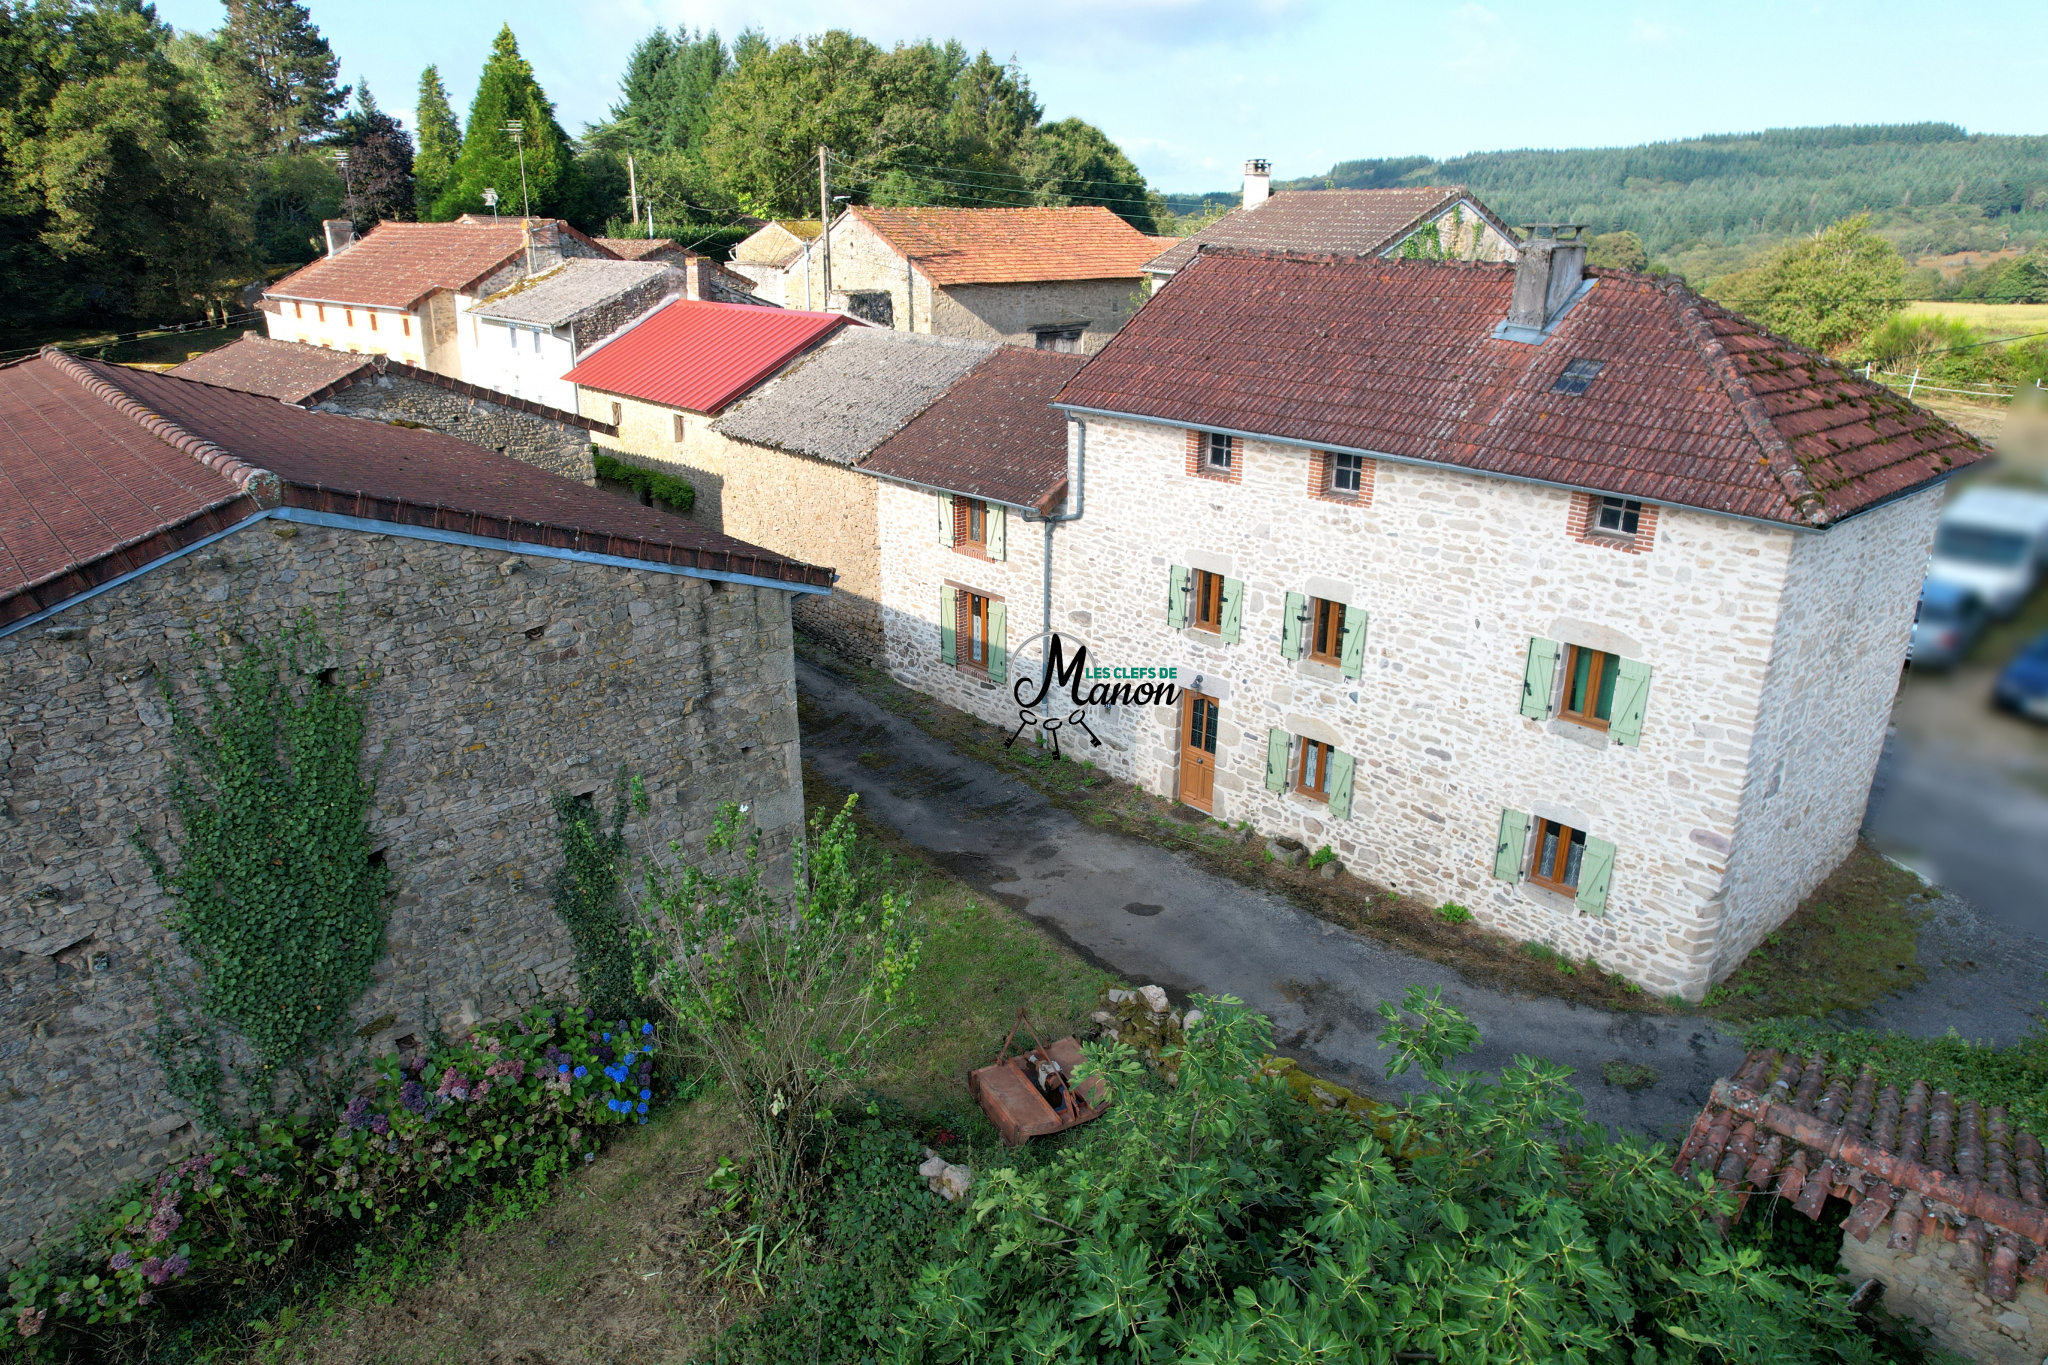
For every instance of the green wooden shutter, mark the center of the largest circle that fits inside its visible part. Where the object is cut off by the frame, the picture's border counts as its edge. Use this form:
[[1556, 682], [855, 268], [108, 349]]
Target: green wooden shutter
[[1176, 597], [949, 639], [1631, 695], [995, 531], [1276, 760], [1537, 674], [1233, 610], [1352, 654], [945, 505], [1596, 870], [1341, 765], [1292, 611], [998, 641], [1507, 851]]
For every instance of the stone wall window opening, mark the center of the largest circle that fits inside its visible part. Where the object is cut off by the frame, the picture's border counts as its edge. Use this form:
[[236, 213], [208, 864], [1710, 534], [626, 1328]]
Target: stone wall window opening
[[348, 317], [1064, 340], [405, 324], [679, 424], [1617, 517], [536, 341], [512, 337], [970, 525], [1347, 474], [320, 312], [1578, 375], [298, 309], [1312, 769], [1588, 693], [373, 319], [974, 630], [1208, 601], [1559, 857], [1325, 625], [618, 414]]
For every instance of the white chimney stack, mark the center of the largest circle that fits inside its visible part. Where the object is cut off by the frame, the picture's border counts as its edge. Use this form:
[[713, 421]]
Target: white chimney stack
[[341, 235], [1258, 182]]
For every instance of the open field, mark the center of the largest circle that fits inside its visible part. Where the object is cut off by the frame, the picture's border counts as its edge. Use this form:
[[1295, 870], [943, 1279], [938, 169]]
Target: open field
[[2009, 319]]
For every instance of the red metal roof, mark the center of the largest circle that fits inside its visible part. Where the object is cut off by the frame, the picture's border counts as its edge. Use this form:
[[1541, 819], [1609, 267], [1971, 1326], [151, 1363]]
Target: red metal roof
[[701, 356], [1696, 406], [105, 469]]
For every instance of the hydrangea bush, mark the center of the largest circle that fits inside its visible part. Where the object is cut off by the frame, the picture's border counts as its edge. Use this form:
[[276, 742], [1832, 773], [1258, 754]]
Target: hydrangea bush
[[521, 1100]]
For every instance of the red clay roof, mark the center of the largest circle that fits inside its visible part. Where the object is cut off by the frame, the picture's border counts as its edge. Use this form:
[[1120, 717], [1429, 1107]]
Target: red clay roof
[[395, 265], [1340, 222], [1696, 406], [701, 356], [1013, 246], [993, 435], [105, 469], [1927, 1162]]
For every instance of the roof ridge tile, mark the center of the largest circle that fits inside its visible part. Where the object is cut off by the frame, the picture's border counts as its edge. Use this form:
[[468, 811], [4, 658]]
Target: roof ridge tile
[[257, 483]]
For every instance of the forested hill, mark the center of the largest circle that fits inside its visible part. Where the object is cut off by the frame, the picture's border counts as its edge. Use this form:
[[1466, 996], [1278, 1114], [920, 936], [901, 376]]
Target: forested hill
[[1932, 186]]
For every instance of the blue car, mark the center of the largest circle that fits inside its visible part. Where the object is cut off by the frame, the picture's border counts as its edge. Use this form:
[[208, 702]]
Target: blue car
[[2023, 683], [1949, 620]]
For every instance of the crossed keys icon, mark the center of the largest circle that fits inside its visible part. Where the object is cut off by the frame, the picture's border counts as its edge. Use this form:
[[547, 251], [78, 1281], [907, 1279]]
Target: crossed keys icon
[[1050, 727]]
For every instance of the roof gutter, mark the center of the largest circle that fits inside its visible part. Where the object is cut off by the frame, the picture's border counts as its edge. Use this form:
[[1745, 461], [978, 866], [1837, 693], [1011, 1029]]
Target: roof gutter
[[307, 517], [1442, 465], [1032, 510]]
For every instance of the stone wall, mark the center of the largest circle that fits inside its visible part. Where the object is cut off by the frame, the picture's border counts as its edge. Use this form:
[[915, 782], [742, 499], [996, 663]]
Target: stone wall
[[500, 679], [917, 562], [608, 317], [1008, 312], [647, 437], [1845, 614], [558, 447], [1457, 573], [1942, 1286], [816, 512]]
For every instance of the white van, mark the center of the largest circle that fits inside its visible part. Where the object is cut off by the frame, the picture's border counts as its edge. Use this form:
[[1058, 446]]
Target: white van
[[1993, 541]]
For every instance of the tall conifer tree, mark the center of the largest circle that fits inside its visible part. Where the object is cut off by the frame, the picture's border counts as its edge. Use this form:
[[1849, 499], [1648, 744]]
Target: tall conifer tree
[[440, 142], [489, 158], [280, 73]]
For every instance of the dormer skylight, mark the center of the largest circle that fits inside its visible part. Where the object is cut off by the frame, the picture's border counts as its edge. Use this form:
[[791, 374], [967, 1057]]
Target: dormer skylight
[[1577, 375]]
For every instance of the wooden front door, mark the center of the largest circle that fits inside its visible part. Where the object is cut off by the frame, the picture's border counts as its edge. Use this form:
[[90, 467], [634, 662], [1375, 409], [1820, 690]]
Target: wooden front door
[[1198, 752]]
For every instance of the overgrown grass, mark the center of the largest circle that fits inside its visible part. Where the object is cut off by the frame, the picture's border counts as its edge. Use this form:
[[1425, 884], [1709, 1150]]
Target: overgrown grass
[[2015, 1077], [1848, 946]]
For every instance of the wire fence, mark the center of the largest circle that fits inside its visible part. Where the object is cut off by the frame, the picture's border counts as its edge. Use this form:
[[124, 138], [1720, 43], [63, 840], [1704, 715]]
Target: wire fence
[[100, 343], [1916, 384]]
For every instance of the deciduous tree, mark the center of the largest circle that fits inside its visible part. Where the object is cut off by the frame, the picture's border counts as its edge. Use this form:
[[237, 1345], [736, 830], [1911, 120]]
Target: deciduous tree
[[378, 170], [1824, 290]]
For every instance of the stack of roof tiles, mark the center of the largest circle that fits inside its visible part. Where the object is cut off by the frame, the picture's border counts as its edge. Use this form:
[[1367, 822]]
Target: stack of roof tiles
[[1693, 405], [1010, 246], [1933, 1164]]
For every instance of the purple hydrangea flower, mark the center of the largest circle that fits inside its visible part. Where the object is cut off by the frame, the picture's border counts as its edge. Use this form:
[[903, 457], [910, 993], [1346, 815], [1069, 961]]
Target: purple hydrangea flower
[[357, 1115], [165, 1222], [153, 1270], [122, 1261], [414, 1097], [176, 1265], [379, 1124]]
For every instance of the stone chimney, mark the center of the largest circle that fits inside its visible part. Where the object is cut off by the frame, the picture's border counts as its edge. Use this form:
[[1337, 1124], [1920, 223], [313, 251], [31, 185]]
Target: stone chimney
[[1258, 182], [544, 236], [693, 276], [341, 235], [1551, 266]]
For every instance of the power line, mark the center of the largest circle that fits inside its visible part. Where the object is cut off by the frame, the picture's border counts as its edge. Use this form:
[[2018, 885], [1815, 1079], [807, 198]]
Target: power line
[[120, 338], [1022, 180], [1042, 187]]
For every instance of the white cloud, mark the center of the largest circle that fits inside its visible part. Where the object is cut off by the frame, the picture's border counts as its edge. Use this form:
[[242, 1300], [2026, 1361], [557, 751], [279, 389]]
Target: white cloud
[[1651, 33]]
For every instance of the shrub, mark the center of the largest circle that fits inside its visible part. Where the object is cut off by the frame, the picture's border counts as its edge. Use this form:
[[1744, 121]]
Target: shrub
[[1450, 912], [1219, 1220], [524, 1099], [1321, 856], [647, 482]]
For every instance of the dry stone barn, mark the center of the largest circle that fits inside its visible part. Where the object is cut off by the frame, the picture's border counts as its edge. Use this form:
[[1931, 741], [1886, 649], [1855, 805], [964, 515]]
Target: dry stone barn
[[527, 635]]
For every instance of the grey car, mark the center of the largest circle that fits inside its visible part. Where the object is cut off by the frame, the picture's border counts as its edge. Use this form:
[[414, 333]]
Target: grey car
[[1949, 620]]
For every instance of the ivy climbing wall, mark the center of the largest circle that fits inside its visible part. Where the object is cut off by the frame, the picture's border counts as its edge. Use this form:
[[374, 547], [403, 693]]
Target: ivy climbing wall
[[499, 680]]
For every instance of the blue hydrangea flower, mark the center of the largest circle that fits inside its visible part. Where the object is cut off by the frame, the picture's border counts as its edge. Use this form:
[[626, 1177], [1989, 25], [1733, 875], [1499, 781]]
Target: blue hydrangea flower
[[646, 1028], [562, 1070], [642, 1106], [607, 1037], [581, 1072], [641, 1120], [647, 1094]]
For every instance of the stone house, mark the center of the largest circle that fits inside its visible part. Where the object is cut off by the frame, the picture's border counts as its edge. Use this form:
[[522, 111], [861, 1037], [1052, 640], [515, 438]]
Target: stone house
[[1059, 279], [967, 496], [660, 382], [1439, 221], [524, 338], [403, 288], [380, 389], [527, 635], [790, 455], [1944, 1195], [1568, 597], [773, 258]]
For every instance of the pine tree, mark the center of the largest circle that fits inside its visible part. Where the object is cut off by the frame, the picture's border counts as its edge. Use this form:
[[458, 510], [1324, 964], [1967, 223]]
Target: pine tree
[[440, 142], [280, 73], [490, 158], [667, 93], [378, 170]]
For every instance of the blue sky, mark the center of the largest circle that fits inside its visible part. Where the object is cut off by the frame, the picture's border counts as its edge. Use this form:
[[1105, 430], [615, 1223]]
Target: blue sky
[[1190, 88]]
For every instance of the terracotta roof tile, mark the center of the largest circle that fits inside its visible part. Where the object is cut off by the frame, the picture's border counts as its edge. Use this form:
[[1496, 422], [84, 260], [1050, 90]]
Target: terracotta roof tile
[[288, 371], [105, 469], [1010, 246], [993, 435], [395, 265], [1341, 222], [1932, 1163], [1695, 406], [643, 248]]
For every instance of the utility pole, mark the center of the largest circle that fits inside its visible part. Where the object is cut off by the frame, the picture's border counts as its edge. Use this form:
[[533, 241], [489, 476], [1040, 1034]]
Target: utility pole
[[825, 218], [633, 188]]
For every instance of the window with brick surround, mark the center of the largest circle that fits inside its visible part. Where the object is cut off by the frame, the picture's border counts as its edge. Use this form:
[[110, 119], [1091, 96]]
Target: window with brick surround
[[1208, 604], [1560, 853], [1312, 769], [1613, 523], [405, 324], [373, 320], [1325, 632], [1337, 477], [976, 627], [320, 312], [298, 309], [348, 317], [1213, 455], [970, 525]]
